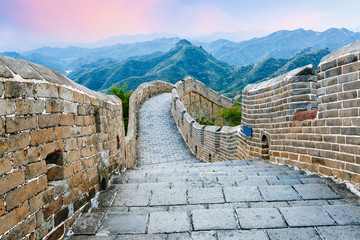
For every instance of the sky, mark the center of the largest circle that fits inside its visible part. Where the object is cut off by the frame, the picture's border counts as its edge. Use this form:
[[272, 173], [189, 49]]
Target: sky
[[27, 22]]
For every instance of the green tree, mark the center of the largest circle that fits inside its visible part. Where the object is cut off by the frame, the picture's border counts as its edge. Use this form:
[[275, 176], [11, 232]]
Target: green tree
[[124, 94]]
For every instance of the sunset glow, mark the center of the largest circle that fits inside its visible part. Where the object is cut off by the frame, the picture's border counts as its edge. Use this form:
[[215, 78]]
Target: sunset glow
[[91, 20]]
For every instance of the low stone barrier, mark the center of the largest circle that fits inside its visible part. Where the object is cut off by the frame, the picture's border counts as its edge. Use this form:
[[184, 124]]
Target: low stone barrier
[[208, 143]]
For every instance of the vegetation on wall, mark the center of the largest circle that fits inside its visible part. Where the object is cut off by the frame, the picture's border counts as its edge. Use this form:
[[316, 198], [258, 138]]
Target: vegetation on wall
[[229, 116], [124, 94]]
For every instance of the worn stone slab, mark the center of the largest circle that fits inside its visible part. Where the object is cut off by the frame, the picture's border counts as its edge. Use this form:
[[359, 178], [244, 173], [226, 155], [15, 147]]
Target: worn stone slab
[[293, 234], [287, 181], [242, 234], [306, 216], [340, 232], [205, 195], [278, 193], [259, 218], [308, 203], [153, 186], [106, 198], [315, 191], [179, 236], [122, 223], [242, 194], [204, 235], [252, 183], [228, 205], [132, 198], [268, 204], [345, 213], [169, 222], [168, 197], [212, 219], [186, 208], [87, 224], [149, 209], [142, 237]]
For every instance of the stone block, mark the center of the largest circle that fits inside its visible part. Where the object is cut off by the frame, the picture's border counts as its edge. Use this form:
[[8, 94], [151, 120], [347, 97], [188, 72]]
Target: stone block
[[328, 65], [315, 191], [333, 72], [25, 156], [214, 219], [66, 94], [67, 119], [169, 222], [352, 67], [168, 197], [29, 106], [131, 223], [7, 107], [48, 120], [18, 124], [278, 193], [260, 218], [42, 136], [340, 232], [20, 194], [18, 141], [242, 194], [348, 58], [348, 77], [34, 170], [293, 233], [40, 200], [19, 89], [55, 106], [344, 214], [53, 207], [62, 132], [46, 90], [12, 218], [11, 181], [205, 195], [351, 85], [306, 216]]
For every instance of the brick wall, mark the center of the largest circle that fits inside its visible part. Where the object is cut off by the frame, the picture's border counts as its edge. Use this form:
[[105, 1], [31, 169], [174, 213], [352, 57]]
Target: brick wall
[[143, 92], [208, 143], [59, 145], [325, 139]]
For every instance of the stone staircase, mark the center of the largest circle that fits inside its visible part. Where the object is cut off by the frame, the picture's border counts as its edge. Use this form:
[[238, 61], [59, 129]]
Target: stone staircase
[[172, 195], [245, 199]]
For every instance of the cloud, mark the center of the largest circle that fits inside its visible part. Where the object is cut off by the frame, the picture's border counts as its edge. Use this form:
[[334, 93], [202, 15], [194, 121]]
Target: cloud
[[82, 19]]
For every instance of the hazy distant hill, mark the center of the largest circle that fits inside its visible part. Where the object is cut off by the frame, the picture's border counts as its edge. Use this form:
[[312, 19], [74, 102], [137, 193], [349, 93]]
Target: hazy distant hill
[[270, 68], [281, 44], [184, 59]]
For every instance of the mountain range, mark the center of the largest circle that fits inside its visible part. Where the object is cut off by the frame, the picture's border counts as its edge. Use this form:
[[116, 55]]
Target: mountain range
[[186, 59], [280, 44]]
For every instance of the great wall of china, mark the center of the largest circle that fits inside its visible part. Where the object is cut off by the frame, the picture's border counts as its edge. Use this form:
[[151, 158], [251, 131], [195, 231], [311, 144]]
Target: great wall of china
[[60, 143]]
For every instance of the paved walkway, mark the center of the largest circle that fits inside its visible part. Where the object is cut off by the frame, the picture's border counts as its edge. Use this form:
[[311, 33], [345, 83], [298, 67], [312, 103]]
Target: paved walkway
[[172, 195]]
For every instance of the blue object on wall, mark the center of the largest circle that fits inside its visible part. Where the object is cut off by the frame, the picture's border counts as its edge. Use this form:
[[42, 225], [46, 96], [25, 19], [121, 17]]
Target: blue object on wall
[[247, 131]]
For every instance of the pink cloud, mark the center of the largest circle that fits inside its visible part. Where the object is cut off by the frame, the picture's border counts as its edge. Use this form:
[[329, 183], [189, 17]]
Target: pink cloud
[[86, 19]]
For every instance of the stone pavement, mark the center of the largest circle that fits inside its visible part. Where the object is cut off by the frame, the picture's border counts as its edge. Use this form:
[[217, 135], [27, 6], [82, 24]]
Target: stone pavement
[[172, 195]]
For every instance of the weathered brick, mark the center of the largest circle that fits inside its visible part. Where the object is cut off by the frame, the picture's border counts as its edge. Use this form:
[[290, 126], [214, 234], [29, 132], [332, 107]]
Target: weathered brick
[[351, 86], [70, 107], [19, 89], [7, 107], [326, 171], [41, 199], [58, 233], [345, 157], [352, 67], [353, 167], [70, 144], [53, 207], [29, 106], [55, 105], [350, 149], [351, 103], [18, 124], [2, 206], [35, 169], [78, 98], [21, 229], [334, 89], [348, 77], [19, 195], [48, 120], [25, 156], [2, 126], [67, 119], [55, 172], [66, 94], [12, 218], [42, 136], [5, 164], [327, 65], [62, 132], [74, 155], [333, 72], [18, 141], [353, 140], [46, 90], [52, 147]]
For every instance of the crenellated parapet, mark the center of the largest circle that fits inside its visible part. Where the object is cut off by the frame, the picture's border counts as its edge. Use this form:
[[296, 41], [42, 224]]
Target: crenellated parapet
[[59, 145], [208, 143]]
